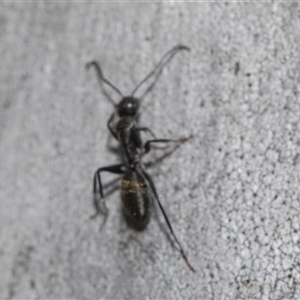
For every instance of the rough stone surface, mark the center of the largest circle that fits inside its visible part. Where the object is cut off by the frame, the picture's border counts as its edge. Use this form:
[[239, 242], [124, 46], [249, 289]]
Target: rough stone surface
[[231, 193]]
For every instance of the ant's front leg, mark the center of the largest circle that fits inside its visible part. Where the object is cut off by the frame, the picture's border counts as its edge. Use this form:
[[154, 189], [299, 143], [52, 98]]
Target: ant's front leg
[[146, 129], [177, 142], [99, 201], [110, 125]]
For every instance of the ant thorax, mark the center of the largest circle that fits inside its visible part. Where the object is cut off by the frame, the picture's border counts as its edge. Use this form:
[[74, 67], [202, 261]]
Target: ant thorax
[[126, 123], [130, 139]]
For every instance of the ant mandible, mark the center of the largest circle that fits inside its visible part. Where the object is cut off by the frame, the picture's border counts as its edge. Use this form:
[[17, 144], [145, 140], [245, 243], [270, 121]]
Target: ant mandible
[[137, 187]]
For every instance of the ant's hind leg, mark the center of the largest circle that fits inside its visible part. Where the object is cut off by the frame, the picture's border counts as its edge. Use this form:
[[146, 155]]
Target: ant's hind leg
[[153, 189], [99, 201]]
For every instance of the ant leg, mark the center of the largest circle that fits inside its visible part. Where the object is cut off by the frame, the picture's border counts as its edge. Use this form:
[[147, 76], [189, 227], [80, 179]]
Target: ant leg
[[110, 126], [165, 155], [102, 79], [99, 201], [156, 72], [152, 186], [179, 142], [111, 186], [147, 130]]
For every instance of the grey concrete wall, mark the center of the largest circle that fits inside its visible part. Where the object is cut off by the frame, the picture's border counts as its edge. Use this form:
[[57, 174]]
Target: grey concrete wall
[[231, 193]]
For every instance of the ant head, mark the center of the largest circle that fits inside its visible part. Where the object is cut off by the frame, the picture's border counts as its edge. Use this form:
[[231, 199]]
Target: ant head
[[128, 106]]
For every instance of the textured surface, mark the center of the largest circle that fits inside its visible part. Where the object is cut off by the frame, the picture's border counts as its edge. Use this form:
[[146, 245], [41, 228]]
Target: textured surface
[[232, 193]]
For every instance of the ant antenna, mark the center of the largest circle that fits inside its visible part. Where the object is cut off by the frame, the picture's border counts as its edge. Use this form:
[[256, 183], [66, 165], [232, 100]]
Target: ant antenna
[[156, 72], [102, 79]]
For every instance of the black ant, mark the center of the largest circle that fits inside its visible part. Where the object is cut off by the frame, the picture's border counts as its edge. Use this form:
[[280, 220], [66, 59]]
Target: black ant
[[137, 187]]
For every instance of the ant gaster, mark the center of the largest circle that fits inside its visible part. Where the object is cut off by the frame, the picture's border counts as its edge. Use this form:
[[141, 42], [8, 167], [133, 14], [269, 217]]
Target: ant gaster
[[137, 187]]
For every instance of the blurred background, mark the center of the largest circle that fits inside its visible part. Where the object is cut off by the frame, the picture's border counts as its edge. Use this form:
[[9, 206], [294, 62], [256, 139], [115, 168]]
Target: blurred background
[[231, 193]]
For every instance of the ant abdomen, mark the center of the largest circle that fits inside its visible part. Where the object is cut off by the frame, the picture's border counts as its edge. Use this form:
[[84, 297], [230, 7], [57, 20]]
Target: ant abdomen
[[136, 199]]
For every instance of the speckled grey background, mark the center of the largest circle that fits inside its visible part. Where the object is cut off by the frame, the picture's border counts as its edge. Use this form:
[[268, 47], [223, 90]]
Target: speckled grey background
[[231, 193]]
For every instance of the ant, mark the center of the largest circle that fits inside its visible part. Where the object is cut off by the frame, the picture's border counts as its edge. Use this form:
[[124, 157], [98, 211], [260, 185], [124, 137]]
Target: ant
[[137, 186]]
